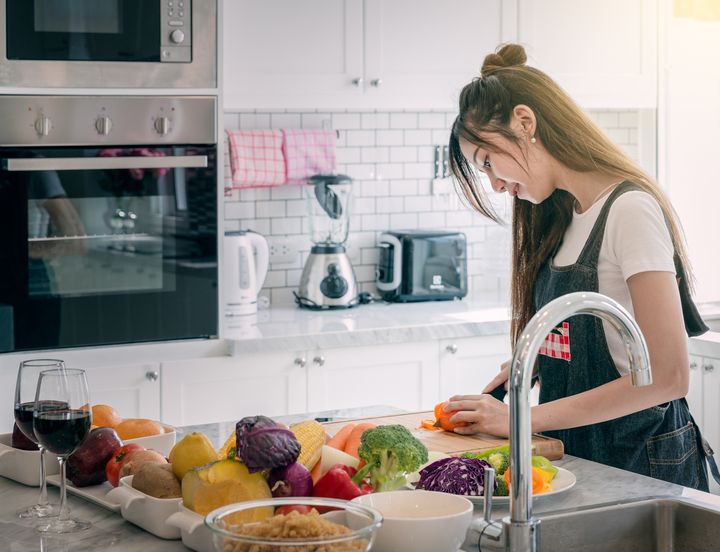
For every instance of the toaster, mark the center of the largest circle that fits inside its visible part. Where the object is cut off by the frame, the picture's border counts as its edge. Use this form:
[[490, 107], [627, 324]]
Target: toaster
[[422, 265]]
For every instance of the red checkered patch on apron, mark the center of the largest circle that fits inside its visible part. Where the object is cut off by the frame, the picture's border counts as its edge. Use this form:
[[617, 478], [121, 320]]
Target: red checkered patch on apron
[[557, 343]]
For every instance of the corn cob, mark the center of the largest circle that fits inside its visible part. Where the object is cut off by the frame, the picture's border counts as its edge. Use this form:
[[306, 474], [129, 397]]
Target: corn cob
[[311, 436]]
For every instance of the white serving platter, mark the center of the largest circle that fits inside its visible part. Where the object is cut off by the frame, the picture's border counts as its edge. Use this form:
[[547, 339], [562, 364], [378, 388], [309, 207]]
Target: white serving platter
[[96, 494], [23, 466]]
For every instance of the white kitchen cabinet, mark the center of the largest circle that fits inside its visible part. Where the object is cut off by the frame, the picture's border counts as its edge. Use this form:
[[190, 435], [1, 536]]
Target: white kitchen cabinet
[[209, 390], [132, 389], [603, 53], [379, 54], [695, 390], [468, 364], [401, 375]]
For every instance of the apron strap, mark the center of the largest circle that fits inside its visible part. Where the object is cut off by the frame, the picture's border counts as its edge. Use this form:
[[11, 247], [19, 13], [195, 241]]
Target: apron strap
[[710, 457]]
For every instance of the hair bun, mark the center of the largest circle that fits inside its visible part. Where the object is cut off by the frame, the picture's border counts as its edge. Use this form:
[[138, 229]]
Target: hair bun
[[506, 55]]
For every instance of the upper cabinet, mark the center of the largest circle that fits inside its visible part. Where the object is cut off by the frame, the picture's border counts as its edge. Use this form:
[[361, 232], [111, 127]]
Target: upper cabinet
[[381, 54], [603, 53], [418, 54]]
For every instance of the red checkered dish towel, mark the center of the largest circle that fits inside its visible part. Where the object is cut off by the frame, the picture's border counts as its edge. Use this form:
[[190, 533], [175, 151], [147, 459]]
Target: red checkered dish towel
[[309, 152], [256, 158], [557, 343]]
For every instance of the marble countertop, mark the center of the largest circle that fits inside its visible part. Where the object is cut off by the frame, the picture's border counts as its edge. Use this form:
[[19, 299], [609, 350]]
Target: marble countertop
[[596, 484], [292, 328]]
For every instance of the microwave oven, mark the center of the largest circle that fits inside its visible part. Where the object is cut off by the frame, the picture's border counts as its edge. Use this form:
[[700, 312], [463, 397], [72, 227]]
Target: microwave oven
[[108, 43], [422, 265]]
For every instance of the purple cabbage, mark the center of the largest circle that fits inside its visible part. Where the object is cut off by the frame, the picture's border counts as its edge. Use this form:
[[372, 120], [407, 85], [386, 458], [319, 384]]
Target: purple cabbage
[[292, 480], [461, 476], [262, 444]]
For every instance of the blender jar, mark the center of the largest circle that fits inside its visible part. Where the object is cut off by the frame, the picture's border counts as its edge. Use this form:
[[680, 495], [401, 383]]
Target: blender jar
[[328, 199]]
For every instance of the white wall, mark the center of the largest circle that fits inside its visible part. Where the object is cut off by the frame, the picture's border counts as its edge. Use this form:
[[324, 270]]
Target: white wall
[[689, 131], [390, 157]]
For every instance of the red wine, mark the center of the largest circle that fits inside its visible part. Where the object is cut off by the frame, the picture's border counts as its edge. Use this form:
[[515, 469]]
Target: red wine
[[61, 431], [24, 415]]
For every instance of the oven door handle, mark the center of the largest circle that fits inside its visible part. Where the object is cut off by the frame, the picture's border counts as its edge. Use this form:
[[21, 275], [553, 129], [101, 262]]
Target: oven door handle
[[102, 163]]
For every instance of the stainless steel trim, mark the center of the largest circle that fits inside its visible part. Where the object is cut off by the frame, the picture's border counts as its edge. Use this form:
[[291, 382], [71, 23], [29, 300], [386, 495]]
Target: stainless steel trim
[[201, 72], [128, 120], [100, 163]]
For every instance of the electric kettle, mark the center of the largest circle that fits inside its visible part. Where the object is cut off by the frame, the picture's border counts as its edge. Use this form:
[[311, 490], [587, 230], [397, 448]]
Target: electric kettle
[[245, 264]]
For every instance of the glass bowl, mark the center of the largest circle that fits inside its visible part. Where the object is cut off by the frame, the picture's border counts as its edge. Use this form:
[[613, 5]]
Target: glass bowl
[[257, 526]]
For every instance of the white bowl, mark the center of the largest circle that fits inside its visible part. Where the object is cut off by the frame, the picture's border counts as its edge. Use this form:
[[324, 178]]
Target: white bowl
[[23, 466], [421, 521], [145, 511], [163, 443], [194, 533]]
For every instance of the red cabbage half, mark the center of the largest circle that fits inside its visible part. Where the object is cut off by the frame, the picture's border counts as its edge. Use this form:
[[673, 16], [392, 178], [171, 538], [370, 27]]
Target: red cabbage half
[[461, 476], [263, 445]]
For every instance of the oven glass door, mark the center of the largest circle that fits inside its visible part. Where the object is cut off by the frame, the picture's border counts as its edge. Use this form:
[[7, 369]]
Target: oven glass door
[[83, 30], [108, 246]]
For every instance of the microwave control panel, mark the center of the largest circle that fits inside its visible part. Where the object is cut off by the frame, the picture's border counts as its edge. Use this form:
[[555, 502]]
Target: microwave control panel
[[176, 31]]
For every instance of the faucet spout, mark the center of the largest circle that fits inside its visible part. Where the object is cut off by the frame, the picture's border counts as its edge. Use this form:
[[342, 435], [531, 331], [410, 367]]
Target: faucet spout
[[521, 530]]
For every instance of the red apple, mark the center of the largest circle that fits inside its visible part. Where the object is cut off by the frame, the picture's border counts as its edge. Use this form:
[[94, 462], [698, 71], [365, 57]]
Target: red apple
[[86, 466]]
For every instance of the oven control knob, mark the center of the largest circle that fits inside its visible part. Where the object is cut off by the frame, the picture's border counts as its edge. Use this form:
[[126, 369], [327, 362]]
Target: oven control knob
[[177, 36], [43, 125], [162, 125], [103, 125]]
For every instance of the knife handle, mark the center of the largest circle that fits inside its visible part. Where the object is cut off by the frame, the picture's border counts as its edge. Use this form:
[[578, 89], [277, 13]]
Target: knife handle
[[499, 392]]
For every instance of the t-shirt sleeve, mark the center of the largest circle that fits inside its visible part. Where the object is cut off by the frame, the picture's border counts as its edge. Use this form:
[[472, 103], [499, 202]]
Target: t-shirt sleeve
[[638, 240]]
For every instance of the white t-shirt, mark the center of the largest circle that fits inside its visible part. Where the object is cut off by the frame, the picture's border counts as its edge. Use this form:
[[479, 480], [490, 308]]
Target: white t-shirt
[[636, 240]]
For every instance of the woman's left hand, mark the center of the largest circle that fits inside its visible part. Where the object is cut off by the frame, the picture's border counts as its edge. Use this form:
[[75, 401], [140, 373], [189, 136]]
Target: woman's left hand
[[484, 414]]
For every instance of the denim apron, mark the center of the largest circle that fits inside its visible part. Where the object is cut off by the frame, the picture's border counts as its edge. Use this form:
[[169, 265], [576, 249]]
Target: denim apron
[[662, 441]]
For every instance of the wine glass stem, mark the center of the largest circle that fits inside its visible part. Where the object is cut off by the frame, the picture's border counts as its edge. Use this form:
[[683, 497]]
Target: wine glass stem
[[43, 483], [64, 514]]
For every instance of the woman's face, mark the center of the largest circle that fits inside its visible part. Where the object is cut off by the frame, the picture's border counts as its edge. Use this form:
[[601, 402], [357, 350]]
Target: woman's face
[[509, 170]]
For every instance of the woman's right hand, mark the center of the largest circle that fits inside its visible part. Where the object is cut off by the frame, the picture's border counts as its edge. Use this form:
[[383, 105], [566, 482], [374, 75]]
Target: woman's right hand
[[500, 379]]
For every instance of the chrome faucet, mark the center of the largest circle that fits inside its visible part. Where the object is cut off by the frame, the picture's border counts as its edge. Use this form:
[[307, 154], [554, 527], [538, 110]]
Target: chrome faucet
[[520, 531]]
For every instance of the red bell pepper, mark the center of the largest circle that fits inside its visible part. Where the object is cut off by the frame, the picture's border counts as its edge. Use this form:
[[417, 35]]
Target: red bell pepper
[[338, 483]]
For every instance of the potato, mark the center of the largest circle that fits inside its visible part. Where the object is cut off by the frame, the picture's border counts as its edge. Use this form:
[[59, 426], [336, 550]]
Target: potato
[[157, 480], [137, 458]]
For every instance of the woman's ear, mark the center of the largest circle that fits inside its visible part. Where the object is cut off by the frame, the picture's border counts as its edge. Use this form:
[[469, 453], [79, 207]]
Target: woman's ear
[[523, 121]]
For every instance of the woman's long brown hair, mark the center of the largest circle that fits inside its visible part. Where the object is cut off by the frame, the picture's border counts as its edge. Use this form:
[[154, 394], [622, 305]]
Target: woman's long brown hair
[[567, 133]]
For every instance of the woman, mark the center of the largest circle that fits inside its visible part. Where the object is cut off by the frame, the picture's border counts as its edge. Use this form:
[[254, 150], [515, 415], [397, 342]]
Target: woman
[[585, 218]]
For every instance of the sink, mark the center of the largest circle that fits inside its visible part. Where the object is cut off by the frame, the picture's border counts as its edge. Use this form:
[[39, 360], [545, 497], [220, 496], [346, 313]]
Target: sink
[[652, 525]]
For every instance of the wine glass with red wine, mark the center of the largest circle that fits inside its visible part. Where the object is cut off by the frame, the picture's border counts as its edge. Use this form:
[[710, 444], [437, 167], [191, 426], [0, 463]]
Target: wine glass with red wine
[[62, 430], [25, 390]]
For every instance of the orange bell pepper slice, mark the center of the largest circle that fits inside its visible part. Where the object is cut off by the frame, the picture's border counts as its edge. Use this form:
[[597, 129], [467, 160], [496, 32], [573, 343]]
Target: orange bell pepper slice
[[540, 480]]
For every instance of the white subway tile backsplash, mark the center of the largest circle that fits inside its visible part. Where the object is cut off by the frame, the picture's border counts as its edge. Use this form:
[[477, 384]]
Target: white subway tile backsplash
[[403, 120], [390, 157]]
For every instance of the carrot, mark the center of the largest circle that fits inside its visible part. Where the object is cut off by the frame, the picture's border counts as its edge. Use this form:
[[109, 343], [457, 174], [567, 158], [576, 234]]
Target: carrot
[[353, 441], [429, 424], [339, 440]]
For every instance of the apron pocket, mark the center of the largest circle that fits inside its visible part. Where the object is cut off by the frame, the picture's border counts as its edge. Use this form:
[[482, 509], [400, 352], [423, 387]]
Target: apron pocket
[[674, 456]]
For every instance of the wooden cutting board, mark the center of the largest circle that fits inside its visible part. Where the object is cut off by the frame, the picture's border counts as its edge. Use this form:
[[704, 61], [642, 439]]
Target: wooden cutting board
[[452, 443]]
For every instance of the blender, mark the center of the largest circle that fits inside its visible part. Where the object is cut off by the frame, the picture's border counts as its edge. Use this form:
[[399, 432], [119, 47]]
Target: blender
[[328, 280]]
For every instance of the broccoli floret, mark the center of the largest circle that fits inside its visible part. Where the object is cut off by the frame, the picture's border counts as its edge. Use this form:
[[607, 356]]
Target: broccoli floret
[[391, 452], [499, 461], [501, 489]]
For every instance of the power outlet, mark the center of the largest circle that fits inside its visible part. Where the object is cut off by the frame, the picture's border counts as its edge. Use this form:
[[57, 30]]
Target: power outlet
[[283, 250]]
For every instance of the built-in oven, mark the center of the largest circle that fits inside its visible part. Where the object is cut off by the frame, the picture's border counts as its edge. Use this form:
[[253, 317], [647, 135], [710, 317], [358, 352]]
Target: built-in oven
[[108, 220], [108, 43]]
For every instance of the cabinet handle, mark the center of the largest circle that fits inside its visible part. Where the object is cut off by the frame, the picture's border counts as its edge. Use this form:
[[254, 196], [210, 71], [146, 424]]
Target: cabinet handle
[[452, 348], [709, 367], [152, 375], [319, 360], [300, 361], [693, 365], [376, 83], [357, 82]]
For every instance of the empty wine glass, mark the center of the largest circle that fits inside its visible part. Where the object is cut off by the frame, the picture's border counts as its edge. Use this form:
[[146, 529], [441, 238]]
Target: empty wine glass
[[61, 431], [25, 389]]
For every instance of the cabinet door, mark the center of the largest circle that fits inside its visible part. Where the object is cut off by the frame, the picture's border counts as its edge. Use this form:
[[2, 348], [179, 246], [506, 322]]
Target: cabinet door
[[210, 390], [695, 390], [403, 375], [420, 53], [291, 53], [603, 53], [467, 365], [132, 389], [711, 407]]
